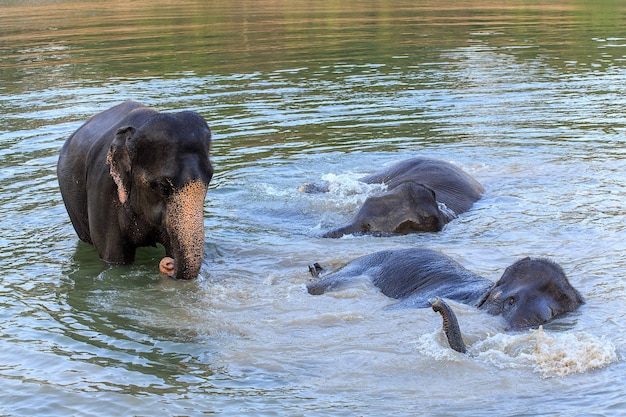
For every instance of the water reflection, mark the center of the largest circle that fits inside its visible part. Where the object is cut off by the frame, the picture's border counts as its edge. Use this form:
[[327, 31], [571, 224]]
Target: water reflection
[[52, 42]]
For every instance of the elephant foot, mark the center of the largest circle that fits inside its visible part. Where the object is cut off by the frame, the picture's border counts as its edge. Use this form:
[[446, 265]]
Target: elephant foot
[[166, 266], [315, 270], [450, 324]]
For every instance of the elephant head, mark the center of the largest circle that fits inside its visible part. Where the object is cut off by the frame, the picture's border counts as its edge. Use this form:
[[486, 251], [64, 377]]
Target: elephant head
[[406, 208], [161, 171], [531, 292]]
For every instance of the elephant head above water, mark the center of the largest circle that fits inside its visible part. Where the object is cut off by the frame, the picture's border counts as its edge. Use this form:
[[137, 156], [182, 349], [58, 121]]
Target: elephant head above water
[[131, 177], [531, 292]]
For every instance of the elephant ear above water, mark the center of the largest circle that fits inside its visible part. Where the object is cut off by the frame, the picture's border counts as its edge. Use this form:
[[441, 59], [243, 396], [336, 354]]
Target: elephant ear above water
[[118, 160], [410, 207]]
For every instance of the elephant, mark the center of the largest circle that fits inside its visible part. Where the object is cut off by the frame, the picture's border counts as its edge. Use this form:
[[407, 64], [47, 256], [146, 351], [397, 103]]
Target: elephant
[[131, 176], [422, 194], [531, 291]]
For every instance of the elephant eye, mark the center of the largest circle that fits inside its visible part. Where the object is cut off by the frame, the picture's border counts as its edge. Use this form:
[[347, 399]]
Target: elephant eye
[[511, 301], [162, 187]]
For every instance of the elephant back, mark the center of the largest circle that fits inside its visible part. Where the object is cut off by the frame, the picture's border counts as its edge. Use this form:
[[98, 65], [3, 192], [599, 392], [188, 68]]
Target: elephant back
[[452, 186], [417, 275]]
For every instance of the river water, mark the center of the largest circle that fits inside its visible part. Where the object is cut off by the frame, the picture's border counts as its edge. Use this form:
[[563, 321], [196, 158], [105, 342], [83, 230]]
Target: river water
[[528, 98]]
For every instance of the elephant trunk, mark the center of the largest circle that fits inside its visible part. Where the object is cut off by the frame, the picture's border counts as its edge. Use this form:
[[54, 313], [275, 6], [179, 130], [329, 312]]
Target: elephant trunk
[[185, 226], [341, 231], [450, 324]]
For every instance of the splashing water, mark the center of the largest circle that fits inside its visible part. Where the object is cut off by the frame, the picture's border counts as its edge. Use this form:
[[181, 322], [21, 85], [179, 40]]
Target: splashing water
[[562, 354], [345, 185], [550, 354]]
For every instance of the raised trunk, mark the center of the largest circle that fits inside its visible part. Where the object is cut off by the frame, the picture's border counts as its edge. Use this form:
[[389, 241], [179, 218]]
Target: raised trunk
[[185, 228], [450, 324]]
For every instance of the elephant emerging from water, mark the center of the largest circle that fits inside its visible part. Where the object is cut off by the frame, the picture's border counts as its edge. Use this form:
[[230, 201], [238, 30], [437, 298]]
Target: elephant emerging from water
[[530, 292], [422, 195], [131, 176]]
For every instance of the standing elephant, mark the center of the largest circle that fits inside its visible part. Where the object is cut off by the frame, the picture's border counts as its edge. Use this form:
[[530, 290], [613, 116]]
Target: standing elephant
[[530, 292], [422, 195], [131, 177]]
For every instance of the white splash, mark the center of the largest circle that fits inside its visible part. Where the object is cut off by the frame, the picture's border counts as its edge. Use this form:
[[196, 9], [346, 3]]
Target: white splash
[[273, 191], [549, 354], [348, 184], [562, 354], [435, 346]]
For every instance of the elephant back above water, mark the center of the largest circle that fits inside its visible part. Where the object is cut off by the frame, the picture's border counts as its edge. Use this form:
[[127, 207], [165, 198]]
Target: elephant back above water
[[530, 292], [131, 177], [422, 194], [452, 186]]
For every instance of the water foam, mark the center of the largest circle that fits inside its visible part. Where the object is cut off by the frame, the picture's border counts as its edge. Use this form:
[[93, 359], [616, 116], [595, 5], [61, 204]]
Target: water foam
[[345, 185], [549, 354], [570, 353]]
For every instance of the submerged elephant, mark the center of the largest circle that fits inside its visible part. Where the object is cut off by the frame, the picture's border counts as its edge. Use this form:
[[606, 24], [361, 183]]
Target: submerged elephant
[[530, 292], [422, 195], [131, 177]]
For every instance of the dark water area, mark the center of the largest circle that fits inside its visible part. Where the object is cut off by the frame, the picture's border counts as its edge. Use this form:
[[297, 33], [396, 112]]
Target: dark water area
[[527, 97]]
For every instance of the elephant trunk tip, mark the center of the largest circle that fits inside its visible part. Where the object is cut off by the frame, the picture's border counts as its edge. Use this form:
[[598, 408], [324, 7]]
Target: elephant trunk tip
[[167, 266], [184, 223], [450, 324]]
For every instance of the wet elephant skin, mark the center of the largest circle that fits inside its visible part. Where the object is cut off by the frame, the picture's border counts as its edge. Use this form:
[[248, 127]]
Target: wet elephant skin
[[530, 292], [422, 194], [131, 177]]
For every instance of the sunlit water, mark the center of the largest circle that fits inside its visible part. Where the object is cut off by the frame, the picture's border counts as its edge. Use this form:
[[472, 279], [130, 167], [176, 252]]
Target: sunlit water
[[529, 100]]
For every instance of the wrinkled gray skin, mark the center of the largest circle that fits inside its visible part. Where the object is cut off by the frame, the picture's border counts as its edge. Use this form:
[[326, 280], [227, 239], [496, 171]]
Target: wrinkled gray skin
[[416, 188], [132, 177], [450, 324], [529, 293]]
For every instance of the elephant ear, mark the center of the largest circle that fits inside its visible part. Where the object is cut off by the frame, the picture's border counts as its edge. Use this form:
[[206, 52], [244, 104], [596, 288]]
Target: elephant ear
[[118, 161]]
